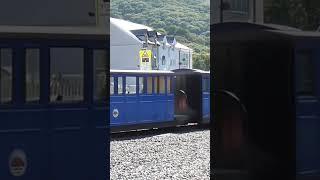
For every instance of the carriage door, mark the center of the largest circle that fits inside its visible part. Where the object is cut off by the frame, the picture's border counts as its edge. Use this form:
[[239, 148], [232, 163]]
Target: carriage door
[[307, 110], [188, 96]]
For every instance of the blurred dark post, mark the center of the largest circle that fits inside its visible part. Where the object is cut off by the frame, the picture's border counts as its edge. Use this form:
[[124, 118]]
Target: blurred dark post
[[223, 6], [230, 138], [254, 10], [221, 11], [253, 126]]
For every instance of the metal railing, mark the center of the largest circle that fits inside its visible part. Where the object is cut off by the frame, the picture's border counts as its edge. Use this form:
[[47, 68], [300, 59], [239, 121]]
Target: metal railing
[[66, 87]]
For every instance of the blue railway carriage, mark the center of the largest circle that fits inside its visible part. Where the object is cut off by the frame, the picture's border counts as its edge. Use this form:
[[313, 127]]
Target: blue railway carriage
[[53, 109], [141, 99], [152, 99], [274, 72]]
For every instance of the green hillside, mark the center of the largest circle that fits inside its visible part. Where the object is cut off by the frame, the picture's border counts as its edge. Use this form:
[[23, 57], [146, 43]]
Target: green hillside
[[187, 20]]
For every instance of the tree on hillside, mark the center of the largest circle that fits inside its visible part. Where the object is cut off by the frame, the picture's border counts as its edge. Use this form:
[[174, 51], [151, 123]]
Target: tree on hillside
[[201, 61], [187, 20]]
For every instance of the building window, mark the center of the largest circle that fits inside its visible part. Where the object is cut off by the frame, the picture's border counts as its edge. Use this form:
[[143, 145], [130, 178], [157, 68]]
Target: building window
[[32, 76], [100, 74], [5, 75], [163, 60], [66, 74]]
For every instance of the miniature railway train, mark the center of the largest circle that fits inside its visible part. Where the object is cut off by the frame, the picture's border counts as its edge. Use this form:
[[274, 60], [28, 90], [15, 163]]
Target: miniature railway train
[[148, 99], [54, 108]]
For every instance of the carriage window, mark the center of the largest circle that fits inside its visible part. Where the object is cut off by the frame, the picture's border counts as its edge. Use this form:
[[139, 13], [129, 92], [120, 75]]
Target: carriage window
[[66, 74], [120, 85], [162, 85], [156, 85], [32, 75], [5, 76], [131, 85], [100, 74], [304, 74], [149, 85], [168, 85], [141, 85], [206, 85], [111, 85]]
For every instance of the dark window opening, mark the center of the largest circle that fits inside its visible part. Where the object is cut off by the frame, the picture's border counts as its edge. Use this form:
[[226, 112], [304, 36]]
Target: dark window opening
[[5, 75], [100, 74], [66, 74], [163, 60], [238, 6], [120, 85], [149, 85], [142, 83], [131, 86], [32, 75], [111, 85], [156, 85], [169, 85], [305, 79]]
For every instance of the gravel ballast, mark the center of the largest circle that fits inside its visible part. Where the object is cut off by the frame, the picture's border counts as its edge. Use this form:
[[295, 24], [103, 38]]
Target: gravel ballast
[[166, 155]]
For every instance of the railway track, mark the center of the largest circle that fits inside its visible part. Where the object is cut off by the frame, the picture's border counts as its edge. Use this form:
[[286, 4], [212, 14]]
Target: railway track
[[134, 134]]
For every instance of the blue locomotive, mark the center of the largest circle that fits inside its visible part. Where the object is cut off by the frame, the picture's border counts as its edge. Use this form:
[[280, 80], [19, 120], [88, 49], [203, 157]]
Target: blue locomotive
[[267, 128]]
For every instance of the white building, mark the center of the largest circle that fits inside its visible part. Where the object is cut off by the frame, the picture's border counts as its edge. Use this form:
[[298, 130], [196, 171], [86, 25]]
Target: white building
[[127, 39], [173, 55]]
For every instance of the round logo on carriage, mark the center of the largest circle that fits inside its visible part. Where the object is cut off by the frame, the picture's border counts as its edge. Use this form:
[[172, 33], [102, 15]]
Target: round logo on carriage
[[115, 113], [17, 162]]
